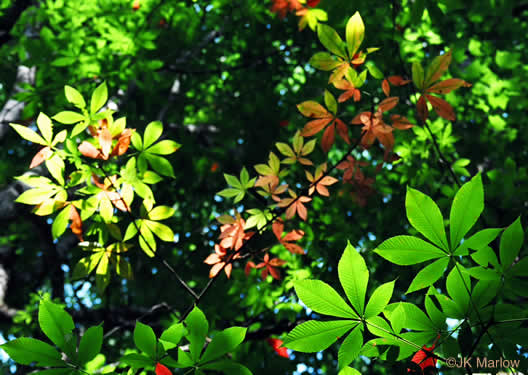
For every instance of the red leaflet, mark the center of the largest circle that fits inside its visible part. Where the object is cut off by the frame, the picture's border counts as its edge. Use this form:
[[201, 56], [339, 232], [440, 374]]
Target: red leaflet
[[76, 222], [214, 167], [276, 345], [424, 359], [162, 370], [40, 156], [284, 123], [287, 240]]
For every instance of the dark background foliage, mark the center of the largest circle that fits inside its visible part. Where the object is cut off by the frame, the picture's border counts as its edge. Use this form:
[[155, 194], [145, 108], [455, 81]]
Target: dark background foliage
[[223, 75]]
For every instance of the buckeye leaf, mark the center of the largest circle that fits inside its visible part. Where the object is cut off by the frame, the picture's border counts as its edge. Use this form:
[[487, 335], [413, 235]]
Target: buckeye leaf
[[172, 336], [354, 275], [418, 75], [99, 97], [510, 244], [458, 285], [152, 133], [74, 97], [159, 164], [324, 61], [314, 336], [45, 126], [90, 344], [467, 206], [323, 299], [27, 350], [198, 326], [407, 250], [136, 360], [164, 147], [355, 32], [161, 213], [331, 40], [68, 117], [28, 134], [55, 322], [61, 222], [350, 347], [349, 371], [224, 342], [428, 275], [379, 299], [478, 241], [425, 216], [161, 230], [145, 339]]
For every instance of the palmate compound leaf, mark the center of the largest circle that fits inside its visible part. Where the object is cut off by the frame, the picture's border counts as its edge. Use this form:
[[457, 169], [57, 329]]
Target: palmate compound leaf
[[466, 208], [354, 275], [408, 250], [323, 299], [314, 336], [425, 216]]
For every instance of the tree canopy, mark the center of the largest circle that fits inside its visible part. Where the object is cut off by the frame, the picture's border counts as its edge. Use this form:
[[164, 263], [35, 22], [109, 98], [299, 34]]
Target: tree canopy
[[389, 121]]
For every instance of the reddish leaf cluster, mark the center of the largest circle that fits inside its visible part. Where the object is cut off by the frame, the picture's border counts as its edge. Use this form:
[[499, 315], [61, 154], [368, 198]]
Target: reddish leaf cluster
[[105, 139], [289, 238], [393, 80], [269, 266], [232, 238], [323, 119], [354, 176], [113, 196], [282, 7], [294, 205], [375, 127]]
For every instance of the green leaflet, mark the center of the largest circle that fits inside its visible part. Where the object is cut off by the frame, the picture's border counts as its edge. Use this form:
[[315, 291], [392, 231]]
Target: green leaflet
[[331, 40], [425, 216], [458, 285], [354, 275], [145, 339], [467, 206], [56, 323], [314, 336], [379, 299], [407, 250], [350, 347], [428, 275], [27, 350], [224, 342], [90, 344], [355, 32], [198, 326], [510, 244], [99, 98], [323, 299]]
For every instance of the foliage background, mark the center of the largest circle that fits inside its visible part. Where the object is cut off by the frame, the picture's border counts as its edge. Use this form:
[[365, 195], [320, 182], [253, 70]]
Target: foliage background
[[222, 76]]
